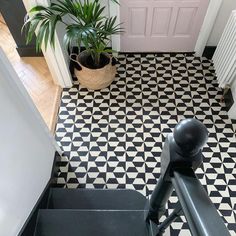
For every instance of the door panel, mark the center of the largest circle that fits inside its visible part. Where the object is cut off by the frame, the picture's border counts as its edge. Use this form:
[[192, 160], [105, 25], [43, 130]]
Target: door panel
[[161, 21], [184, 21], [161, 25], [138, 28]]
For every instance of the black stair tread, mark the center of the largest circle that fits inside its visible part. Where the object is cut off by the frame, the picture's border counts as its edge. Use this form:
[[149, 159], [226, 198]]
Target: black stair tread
[[53, 222], [103, 199]]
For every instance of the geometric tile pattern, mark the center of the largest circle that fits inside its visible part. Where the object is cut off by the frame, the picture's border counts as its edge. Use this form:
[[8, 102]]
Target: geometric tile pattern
[[113, 138]]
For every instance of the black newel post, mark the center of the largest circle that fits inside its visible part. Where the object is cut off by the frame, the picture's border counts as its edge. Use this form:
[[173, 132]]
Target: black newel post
[[182, 149]]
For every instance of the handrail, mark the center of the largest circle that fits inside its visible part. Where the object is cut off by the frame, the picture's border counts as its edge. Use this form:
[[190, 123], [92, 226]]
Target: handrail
[[201, 214], [181, 156]]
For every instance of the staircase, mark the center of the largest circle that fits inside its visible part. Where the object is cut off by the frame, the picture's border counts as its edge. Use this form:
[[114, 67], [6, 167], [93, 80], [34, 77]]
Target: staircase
[[87, 212]]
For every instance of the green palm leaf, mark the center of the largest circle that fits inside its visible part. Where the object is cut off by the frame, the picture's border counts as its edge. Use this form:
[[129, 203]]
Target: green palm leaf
[[88, 25]]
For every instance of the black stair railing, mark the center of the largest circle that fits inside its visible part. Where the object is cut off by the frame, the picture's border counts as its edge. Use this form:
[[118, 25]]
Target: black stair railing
[[181, 156]]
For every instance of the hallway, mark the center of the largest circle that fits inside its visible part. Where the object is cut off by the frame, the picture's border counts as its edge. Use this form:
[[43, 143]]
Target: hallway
[[34, 74]]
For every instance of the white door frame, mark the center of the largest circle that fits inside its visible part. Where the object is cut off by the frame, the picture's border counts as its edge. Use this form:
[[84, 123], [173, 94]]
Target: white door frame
[[208, 23], [114, 10], [58, 64], [18, 88]]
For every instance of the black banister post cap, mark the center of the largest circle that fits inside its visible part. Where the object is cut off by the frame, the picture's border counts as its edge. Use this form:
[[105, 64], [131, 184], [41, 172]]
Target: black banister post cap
[[190, 135]]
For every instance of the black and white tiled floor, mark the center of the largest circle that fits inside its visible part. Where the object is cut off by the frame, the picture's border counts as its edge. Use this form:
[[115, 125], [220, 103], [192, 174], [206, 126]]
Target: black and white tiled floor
[[113, 138]]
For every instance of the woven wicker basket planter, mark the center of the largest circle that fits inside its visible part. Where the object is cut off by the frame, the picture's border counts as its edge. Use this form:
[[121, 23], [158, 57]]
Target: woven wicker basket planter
[[94, 79]]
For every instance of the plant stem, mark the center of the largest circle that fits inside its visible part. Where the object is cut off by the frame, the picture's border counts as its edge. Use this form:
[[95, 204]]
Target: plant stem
[[97, 59]]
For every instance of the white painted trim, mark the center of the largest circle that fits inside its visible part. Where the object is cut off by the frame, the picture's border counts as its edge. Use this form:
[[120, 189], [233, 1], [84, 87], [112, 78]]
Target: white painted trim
[[57, 65], [207, 26], [18, 88], [56, 60], [114, 10]]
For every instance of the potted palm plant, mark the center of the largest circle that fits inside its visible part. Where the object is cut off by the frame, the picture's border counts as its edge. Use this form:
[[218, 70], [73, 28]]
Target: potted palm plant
[[87, 26]]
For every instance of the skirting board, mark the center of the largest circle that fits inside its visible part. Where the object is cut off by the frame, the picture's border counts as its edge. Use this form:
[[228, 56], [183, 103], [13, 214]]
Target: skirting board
[[229, 101], [28, 51], [209, 52]]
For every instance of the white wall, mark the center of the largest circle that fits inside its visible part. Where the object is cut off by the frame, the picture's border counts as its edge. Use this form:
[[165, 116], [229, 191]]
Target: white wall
[[26, 152], [221, 20]]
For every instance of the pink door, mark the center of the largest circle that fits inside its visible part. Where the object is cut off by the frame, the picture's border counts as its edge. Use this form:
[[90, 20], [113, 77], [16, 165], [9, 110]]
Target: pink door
[[161, 25]]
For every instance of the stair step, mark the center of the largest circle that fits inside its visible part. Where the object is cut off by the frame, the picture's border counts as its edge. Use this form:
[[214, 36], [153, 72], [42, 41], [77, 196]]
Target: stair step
[[96, 199], [53, 222]]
